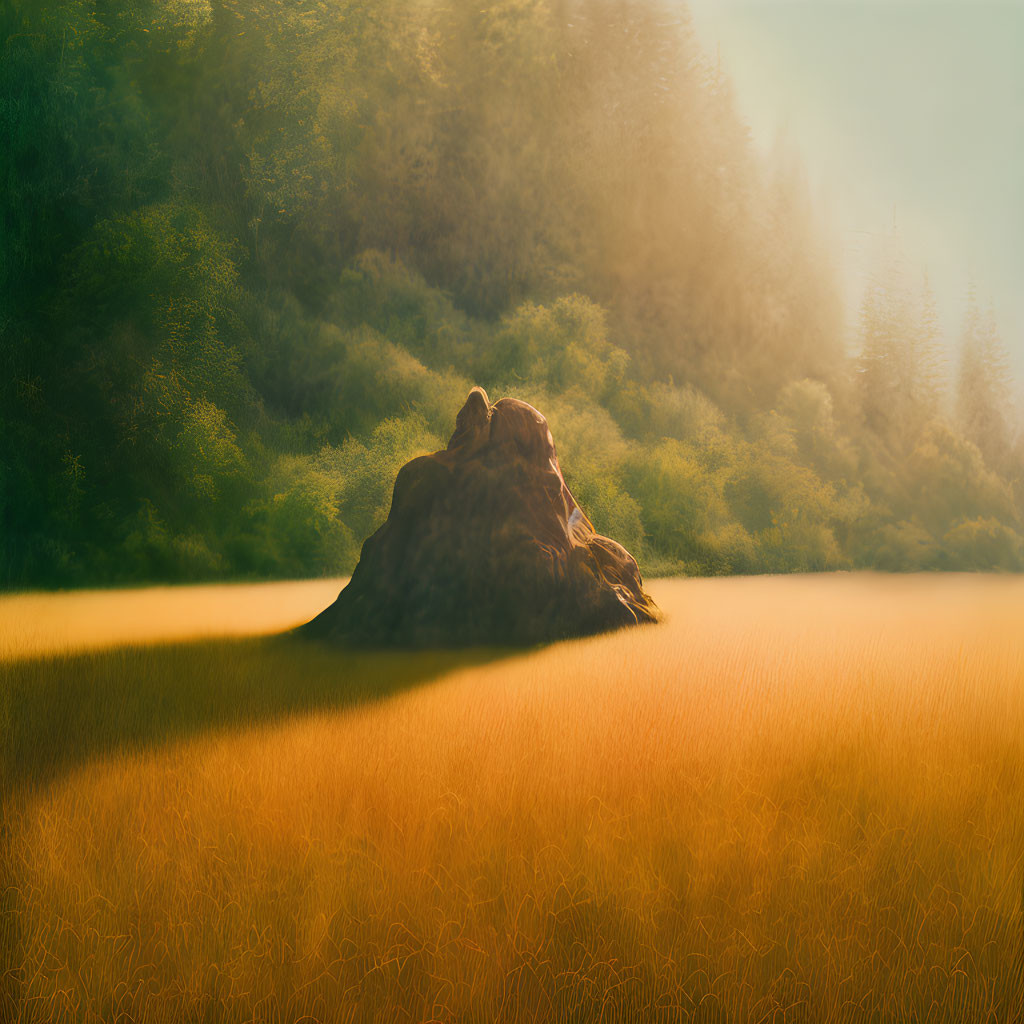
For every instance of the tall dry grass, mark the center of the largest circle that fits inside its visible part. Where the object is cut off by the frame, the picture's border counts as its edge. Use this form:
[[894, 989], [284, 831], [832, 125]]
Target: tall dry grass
[[800, 799]]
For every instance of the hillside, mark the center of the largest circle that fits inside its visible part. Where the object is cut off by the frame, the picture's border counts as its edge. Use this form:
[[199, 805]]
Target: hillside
[[255, 254]]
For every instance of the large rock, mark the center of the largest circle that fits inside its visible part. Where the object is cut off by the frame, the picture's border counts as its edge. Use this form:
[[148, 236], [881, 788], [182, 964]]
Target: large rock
[[485, 544]]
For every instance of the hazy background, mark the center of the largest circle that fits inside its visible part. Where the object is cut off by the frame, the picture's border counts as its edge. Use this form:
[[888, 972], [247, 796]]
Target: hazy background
[[902, 112]]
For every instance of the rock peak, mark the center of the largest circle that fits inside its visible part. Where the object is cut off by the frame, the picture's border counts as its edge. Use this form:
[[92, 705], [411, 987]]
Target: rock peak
[[472, 420]]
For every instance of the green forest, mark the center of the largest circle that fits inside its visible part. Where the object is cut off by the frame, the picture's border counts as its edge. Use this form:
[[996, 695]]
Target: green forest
[[254, 254]]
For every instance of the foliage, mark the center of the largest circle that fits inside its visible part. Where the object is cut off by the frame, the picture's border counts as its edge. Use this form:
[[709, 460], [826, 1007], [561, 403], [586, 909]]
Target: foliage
[[255, 254]]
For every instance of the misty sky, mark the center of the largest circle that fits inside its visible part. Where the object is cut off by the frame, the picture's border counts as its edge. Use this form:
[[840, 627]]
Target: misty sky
[[903, 110]]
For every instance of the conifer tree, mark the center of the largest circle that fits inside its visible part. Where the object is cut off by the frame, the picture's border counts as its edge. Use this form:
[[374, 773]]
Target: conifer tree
[[983, 384], [884, 364], [925, 360], [899, 369]]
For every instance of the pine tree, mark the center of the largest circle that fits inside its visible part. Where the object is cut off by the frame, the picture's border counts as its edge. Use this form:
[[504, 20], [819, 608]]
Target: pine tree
[[899, 370], [876, 366], [884, 367], [983, 384], [925, 359]]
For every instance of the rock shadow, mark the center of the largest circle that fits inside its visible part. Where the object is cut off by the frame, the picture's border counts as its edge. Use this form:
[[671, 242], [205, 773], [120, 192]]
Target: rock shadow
[[58, 712]]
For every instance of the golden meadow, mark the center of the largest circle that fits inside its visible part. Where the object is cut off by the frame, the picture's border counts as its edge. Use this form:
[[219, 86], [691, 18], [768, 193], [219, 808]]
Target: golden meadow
[[798, 799]]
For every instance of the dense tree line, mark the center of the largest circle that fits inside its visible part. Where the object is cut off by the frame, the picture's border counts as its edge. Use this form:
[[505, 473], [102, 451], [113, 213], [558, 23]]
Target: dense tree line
[[255, 252]]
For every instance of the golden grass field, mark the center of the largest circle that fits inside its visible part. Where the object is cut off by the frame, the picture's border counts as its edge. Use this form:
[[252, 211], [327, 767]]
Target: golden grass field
[[798, 799]]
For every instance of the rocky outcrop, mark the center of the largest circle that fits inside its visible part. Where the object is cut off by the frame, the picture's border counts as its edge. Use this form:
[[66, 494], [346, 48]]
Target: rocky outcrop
[[485, 544]]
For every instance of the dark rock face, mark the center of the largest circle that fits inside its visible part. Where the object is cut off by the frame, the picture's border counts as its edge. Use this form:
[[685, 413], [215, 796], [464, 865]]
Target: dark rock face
[[485, 544]]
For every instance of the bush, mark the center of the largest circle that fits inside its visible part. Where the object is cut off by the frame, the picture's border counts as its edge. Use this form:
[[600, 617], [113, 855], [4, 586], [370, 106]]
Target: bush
[[981, 543]]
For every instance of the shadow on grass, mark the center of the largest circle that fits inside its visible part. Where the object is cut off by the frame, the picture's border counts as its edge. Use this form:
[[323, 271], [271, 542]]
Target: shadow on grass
[[58, 712]]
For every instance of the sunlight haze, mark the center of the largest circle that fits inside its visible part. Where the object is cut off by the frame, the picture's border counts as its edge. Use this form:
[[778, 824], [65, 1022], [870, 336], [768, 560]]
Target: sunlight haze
[[511, 511], [906, 113]]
